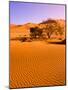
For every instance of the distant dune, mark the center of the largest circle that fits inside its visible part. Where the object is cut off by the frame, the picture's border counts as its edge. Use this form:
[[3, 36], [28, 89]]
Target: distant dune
[[28, 25], [21, 30], [12, 26], [24, 29]]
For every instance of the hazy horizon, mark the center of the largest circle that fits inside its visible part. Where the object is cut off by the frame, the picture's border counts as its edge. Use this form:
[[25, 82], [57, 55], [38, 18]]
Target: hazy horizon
[[21, 12]]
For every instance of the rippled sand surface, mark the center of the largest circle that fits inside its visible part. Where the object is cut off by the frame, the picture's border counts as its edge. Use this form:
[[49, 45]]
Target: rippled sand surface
[[36, 64]]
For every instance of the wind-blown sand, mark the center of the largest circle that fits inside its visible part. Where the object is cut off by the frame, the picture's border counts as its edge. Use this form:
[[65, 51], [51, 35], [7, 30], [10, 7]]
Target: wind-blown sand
[[36, 64]]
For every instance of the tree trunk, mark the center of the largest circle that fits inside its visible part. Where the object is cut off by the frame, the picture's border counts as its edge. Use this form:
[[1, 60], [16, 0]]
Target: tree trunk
[[49, 35]]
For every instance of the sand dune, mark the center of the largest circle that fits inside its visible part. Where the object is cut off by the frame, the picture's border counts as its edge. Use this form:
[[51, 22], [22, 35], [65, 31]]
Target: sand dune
[[36, 64], [24, 29]]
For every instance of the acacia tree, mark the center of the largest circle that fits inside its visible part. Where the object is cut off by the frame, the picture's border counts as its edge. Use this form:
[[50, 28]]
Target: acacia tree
[[59, 29], [35, 32], [49, 29], [51, 26]]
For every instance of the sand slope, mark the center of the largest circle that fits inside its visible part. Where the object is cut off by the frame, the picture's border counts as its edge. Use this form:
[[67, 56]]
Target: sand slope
[[36, 64]]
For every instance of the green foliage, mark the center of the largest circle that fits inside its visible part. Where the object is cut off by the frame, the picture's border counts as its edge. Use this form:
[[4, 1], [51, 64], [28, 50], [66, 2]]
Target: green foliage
[[35, 32]]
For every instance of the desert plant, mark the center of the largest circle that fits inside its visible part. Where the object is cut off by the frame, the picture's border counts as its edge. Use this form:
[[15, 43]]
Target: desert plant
[[50, 29], [52, 26], [35, 32], [59, 29]]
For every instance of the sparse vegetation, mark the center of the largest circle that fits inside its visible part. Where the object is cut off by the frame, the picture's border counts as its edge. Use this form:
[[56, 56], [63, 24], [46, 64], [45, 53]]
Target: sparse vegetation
[[33, 48], [42, 31], [52, 27], [35, 32]]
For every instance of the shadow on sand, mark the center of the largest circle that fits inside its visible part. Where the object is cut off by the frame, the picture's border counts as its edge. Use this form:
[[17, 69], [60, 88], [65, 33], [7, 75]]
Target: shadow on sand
[[63, 42]]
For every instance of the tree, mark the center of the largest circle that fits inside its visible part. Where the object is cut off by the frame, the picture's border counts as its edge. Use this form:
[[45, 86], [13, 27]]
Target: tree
[[50, 29], [59, 29], [35, 32], [52, 26]]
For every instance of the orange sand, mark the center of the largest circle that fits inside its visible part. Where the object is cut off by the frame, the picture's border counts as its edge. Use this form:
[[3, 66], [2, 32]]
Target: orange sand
[[36, 64]]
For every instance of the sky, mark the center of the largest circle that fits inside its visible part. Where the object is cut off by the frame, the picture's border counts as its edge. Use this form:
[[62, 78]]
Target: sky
[[21, 12]]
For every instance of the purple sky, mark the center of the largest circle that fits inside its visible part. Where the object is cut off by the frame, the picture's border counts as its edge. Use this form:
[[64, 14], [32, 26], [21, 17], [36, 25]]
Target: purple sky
[[21, 12]]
